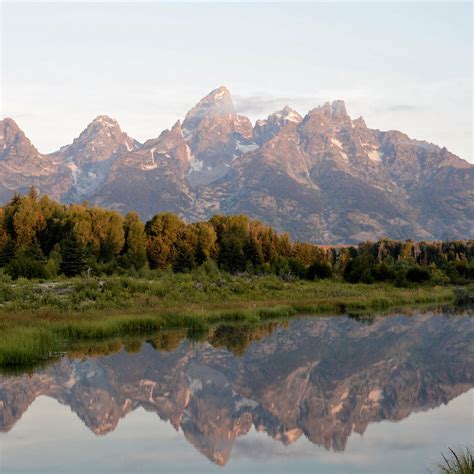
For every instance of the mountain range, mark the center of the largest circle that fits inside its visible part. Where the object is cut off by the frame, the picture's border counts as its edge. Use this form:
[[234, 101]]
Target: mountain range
[[324, 178], [321, 378]]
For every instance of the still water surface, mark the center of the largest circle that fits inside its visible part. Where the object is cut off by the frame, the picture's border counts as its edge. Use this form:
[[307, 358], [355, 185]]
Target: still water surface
[[323, 394]]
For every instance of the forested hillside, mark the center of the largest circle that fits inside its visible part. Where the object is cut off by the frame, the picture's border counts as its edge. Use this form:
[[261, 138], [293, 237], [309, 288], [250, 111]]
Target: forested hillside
[[41, 238]]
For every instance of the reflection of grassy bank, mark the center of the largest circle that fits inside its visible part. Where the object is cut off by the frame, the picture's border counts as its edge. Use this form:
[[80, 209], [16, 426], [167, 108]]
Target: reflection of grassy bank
[[38, 319]]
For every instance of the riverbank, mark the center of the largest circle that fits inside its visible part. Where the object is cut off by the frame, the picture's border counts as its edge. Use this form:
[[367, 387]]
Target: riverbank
[[38, 319]]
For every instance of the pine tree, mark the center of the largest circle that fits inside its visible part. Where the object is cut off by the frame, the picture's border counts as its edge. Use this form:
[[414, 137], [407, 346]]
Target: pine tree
[[253, 252], [7, 252], [73, 256], [231, 255], [184, 260]]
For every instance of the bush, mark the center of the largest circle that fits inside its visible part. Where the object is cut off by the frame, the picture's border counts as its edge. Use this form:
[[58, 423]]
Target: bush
[[438, 277], [359, 270], [383, 272], [297, 268], [401, 277], [417, 275], [320, 269], [208, 269], [23, 266], [460, 272], [280, 266]]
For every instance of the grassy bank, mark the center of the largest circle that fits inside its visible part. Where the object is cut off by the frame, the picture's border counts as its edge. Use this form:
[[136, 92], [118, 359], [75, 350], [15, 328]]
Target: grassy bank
[[41, 318]]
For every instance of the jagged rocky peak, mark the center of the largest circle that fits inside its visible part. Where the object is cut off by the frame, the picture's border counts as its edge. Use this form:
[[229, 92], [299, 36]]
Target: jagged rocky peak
[[359, 122], [268, 128], [8, 129], [167, 152], [100, 140], [215, 115], [338, 109], [13, 141], [334, 112], [288, 114], [102, 126], [216, 136], [170, 137], [216, 104], [177, 129], [105, 121]]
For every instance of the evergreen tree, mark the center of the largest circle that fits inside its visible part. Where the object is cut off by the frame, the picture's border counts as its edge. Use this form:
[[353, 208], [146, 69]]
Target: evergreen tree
[[253, 252], [184, 260], [7, 252], [73, 256], [231, 256]]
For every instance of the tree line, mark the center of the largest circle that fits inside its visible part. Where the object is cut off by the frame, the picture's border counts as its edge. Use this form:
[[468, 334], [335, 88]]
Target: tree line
[[41, 238]]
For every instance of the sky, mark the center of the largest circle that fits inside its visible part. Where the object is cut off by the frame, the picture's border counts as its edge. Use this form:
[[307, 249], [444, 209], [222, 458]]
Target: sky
[[404, 66]]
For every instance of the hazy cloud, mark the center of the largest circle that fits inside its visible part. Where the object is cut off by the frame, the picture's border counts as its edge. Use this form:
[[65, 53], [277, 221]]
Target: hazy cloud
[[403, 108], [265, 104]]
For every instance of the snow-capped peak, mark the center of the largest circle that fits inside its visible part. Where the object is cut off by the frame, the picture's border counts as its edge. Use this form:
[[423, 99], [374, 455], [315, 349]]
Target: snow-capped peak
[[218, 103], [219, 94], [105, 121], [287, 113]]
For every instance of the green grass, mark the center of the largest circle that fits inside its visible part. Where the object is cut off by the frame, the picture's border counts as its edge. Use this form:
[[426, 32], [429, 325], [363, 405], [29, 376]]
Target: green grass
[[39, 319], [457, 462]]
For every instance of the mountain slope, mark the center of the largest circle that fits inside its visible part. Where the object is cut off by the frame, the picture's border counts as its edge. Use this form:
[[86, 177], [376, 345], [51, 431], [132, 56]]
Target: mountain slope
[[90, 156], [22, 166], [323, 177]]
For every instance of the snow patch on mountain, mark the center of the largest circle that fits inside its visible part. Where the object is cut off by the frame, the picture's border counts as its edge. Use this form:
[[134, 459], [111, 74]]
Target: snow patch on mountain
[[344, 156], [246, 403], [289, 115], [195, 165], [86, 181], [150, 165], [375, 155], [106, 121], [187, 134], [246, 147]]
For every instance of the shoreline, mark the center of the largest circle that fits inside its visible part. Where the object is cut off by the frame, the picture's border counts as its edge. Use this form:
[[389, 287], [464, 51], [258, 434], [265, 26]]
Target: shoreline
[[50, 321]]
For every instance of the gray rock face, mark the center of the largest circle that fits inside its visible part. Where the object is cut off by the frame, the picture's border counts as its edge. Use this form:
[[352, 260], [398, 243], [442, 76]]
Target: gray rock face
[[323, 178]]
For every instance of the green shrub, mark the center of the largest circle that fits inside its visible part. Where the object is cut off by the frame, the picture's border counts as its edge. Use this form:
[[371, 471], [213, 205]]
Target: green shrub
[[418, 274], [297, 268], [23, 266], [320, 269], [401, 277], [359, 269], [383, 272]]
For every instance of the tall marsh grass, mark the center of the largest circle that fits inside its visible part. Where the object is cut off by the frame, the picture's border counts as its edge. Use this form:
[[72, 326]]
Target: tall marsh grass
[[457, 462], [38, 319]]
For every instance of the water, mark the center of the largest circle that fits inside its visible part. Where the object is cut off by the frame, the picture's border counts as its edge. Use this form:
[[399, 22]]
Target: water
[[323, 394]]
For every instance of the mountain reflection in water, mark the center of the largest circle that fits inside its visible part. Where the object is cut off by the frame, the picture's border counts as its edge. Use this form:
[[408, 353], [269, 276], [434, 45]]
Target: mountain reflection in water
[[322, 378]]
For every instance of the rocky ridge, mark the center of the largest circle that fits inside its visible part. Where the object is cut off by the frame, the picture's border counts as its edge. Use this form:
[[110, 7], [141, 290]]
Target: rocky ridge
[[324, 177]]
